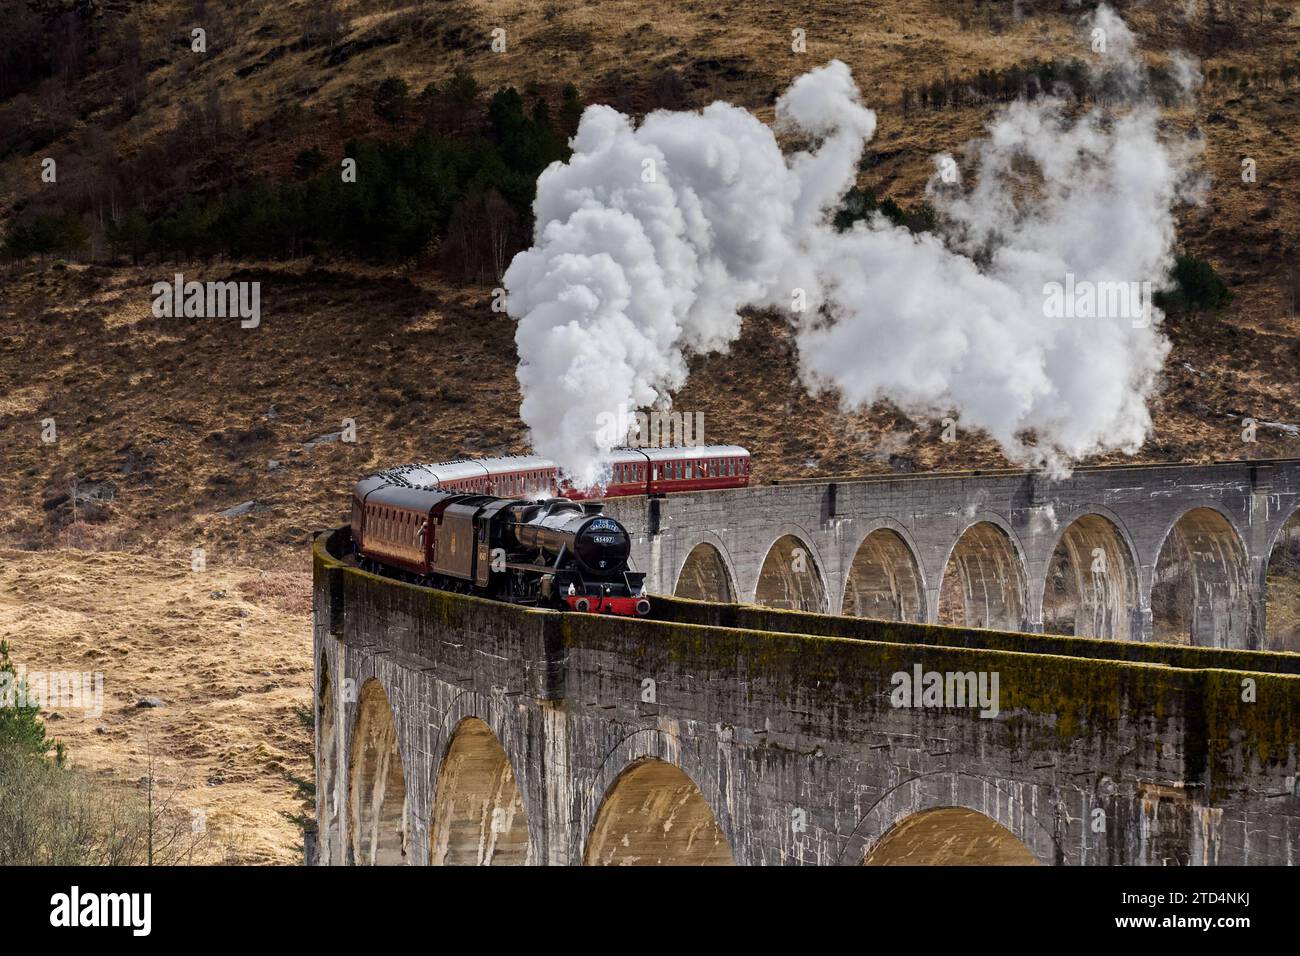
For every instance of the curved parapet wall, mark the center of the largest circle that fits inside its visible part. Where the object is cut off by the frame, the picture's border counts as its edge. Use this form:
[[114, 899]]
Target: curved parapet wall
[[784, 737]]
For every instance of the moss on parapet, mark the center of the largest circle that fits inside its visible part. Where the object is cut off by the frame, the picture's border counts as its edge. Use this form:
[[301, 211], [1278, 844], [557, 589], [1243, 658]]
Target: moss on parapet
[[755, 617], [1252, 722], [1153, 696]]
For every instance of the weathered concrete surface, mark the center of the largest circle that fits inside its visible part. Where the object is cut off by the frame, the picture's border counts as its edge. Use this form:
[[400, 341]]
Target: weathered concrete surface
[[1103, 752], [1000, 532]]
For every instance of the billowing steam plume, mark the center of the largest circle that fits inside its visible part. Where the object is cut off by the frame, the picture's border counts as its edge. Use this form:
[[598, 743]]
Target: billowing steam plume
[[651, 239]]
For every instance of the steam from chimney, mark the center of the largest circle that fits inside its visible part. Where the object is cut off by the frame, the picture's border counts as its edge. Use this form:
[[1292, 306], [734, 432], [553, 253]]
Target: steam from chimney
[[651, 239]]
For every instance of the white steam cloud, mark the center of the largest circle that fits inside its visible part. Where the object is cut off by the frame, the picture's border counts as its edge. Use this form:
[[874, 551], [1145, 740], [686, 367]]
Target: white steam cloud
[[651, 239]]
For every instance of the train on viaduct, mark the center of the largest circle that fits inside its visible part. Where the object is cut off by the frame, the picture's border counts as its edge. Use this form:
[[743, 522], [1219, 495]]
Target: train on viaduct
[[1143, 710]]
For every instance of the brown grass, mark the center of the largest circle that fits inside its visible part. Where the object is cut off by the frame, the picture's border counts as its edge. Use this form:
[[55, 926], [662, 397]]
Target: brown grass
[[230, 670]]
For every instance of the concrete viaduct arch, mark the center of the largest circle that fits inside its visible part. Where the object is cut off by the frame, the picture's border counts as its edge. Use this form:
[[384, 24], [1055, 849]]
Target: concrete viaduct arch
[[1090, 587], [884, 578], [705, 572], [1199, 591], [1281, 601], [478, 816], [377, 798], [983, 583], [1010, 811]]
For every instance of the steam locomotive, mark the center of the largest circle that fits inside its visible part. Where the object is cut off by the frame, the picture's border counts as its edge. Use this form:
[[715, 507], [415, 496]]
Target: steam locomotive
[[554, 552]]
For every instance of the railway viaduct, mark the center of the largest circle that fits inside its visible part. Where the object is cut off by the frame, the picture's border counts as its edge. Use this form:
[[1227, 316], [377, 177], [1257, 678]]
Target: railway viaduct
[[1173, 553], [452, 730]]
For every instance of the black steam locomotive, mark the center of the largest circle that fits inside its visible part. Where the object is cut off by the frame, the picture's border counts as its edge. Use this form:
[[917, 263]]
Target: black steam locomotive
[[553, 553]]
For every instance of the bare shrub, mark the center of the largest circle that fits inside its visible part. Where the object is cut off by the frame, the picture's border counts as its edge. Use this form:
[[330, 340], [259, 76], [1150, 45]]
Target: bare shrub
[[55, 816], [288, 591]]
